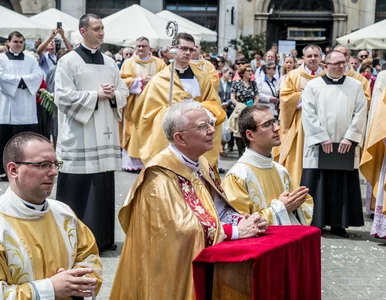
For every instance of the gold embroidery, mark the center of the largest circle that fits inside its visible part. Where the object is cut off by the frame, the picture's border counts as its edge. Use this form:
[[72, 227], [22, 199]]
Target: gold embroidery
[[7, 294], [16, 269], [70, 235], [255, 192]]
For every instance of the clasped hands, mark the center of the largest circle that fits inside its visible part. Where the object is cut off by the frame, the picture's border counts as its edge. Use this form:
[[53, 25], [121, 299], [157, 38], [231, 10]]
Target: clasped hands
[[344, 146], [293, 200], [69, 283], [252, 225], [106, 91]]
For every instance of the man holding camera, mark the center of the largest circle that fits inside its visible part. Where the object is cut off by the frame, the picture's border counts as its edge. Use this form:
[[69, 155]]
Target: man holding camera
[[47, 49]]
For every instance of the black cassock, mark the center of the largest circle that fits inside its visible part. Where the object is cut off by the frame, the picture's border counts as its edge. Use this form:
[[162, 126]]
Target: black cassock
[[92, 198]]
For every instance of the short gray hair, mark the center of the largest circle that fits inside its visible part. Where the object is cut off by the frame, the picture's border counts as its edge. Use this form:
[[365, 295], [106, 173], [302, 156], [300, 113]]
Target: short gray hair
[[312, 46], [175, 118]]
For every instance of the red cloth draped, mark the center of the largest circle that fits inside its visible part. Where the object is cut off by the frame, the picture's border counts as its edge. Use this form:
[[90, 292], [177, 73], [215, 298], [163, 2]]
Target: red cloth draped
[[284, 263]]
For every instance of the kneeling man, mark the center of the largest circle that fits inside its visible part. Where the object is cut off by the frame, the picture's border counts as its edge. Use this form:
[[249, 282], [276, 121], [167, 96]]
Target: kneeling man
[[175, 209], [45, 251], [258, 184]]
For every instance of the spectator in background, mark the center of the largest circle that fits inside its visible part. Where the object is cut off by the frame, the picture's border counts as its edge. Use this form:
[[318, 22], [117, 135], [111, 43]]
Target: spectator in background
[[126, 54], [269, 89], [220, 65], [213, 53], [3, 48], [224, 92], [47, 50], [256, 61], [289, 65], [269, 56], [37, 43], [236, 68], [362, 54], [52, 120], [366, 71], [244, 91], [299, 62], [354, 62], [294, 52], [109, 54], [274, 48], [227, 57]]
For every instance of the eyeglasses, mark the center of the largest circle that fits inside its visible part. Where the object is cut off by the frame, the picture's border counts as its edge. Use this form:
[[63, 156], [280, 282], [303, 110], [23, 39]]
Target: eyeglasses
[[248, 70], [42, 165], [240, 63], [269, 124], [364, 56], [203, 128], [186, 49], [338, 64], [290, 55], [142, 46]]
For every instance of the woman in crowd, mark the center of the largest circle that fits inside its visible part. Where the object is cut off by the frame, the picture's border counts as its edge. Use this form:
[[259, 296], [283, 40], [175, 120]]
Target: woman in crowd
[[224, 93], [269, 88], [366, 70], [244, 91], [220, 65], [289, 65]]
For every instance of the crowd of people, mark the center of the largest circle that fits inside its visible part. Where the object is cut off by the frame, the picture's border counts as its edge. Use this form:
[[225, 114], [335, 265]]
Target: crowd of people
[[299, 128]]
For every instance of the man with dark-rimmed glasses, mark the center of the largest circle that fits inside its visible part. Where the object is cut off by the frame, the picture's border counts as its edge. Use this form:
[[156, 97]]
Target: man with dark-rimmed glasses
[[258, 184], [42, 238]]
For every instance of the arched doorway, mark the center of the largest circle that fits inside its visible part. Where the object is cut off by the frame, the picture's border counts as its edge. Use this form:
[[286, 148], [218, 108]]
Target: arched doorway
[[318, 22]]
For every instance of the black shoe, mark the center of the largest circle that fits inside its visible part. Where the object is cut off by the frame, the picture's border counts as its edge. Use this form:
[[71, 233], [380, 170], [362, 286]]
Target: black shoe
[[221, 170], [132, 171], [339, 232], [110, 247]]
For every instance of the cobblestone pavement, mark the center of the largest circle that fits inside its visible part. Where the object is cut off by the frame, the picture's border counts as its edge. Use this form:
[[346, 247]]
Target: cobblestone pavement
[[353, 268]]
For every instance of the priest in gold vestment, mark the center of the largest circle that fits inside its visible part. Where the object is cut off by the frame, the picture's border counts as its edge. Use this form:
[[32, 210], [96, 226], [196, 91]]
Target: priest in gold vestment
[[291, 131], [373, 163], [136, 72], [258, 184], [45, 250], [190, 84], [175, 209], [354, 74], [205, 66]]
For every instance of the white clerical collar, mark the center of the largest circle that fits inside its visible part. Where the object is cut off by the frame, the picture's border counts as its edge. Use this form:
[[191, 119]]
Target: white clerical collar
[[181, 71], [145, 58], [194, 165], [333, 79], [93, 51], [255, 159], [317, 72], [20, 206], [14, 53]]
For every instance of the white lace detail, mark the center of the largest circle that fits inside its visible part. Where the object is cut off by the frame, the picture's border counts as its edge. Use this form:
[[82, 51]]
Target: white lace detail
[[379, 223], [229, 216]]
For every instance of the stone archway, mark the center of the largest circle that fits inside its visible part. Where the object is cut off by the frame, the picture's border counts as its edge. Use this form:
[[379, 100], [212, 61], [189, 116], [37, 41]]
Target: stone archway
[[338, 14]]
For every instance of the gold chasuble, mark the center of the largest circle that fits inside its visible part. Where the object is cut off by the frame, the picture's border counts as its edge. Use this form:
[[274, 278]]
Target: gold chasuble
[[36, 244], [365, 83], [151, 106], [255, 183], [290, 151], [208, 68], [133, 68], [374, 151], [163, 231]]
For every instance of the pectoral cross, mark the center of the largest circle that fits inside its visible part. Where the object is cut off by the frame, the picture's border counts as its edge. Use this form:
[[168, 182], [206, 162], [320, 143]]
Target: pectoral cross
[[108, 132]]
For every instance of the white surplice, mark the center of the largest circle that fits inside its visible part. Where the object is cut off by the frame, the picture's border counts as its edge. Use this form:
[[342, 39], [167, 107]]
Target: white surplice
[[88, 138], [332, 112], [18, 106]]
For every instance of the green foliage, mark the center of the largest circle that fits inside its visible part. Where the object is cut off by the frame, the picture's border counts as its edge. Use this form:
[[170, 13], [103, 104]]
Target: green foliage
[[47, 101], [250, 44]]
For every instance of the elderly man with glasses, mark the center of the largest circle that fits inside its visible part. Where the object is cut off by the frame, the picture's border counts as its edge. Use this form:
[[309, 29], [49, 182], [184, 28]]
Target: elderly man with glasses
[[46, 251], [175, 209], [334, 119], [258, 184], [190, 84]]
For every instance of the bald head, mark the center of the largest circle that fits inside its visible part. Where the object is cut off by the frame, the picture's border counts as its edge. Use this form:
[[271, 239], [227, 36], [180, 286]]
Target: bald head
[[344, 50]]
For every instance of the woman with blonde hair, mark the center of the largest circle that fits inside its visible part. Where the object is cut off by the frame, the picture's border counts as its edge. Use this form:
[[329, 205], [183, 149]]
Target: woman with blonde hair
[[289, 65]]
